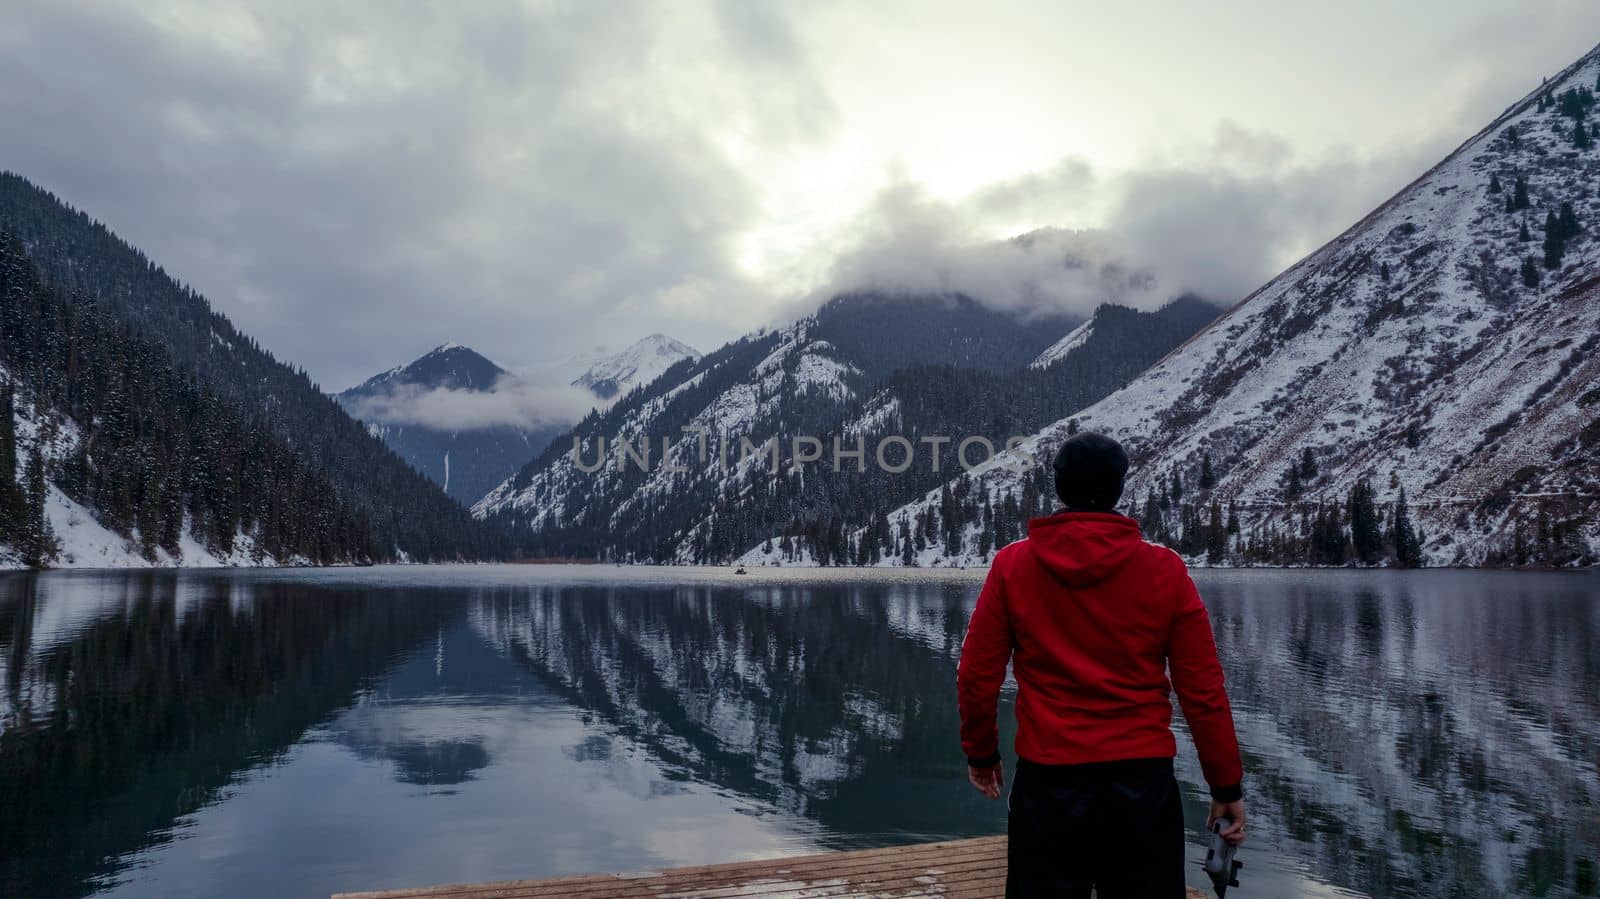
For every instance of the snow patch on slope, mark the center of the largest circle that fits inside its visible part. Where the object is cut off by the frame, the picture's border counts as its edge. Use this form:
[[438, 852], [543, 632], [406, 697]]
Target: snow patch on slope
[[1077, 337], [83, 541]]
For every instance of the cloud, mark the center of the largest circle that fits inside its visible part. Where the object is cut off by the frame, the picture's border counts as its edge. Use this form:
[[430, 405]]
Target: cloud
[[511, 402], [1223, 221], [522, 176], [909, 242], [1216, 220], [354, 182]]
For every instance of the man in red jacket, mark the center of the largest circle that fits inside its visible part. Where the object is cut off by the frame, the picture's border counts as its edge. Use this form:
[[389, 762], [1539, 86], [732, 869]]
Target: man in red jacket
[[1094, 621]]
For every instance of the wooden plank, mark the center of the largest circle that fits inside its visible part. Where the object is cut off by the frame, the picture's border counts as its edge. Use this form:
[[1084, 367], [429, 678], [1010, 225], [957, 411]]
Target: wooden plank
[[792, 865], [954, 869]]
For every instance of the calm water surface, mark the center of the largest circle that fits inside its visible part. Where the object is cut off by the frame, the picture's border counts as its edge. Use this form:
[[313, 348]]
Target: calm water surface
[[1434, 734]]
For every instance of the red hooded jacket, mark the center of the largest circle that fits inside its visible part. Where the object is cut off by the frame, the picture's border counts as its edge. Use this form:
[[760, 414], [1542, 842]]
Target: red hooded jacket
[[1092, 619]]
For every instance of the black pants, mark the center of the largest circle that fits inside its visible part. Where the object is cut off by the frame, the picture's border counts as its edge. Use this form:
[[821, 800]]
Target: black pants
[[1113, 826]]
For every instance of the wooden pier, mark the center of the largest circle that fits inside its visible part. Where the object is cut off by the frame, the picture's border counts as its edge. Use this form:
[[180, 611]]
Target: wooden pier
[[957, 869]]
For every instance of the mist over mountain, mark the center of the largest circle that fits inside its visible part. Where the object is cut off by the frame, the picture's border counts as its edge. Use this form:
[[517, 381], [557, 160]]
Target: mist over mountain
[[460, 419]]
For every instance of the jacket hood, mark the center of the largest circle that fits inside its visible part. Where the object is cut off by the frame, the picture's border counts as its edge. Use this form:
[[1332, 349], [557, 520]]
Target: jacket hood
[[1083, 548]]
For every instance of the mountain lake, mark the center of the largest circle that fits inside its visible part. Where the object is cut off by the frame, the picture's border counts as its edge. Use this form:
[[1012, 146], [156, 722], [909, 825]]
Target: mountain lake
[[299, 732]]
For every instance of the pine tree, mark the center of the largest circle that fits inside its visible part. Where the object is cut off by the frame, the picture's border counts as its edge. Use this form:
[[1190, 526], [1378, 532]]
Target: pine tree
[[1519, 195], [1413, 435], [1522, 233], [1407, 546], [1567, 222], [37, 544], [1530, 272], [1494, 183], [1216, 535], [1308, 465], [1383, 271], [1208, 477], [13, 509], [1366, 535], [1554, 245]]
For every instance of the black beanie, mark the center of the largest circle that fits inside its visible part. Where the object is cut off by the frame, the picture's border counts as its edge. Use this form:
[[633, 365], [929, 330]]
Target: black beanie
[[1089, 472]]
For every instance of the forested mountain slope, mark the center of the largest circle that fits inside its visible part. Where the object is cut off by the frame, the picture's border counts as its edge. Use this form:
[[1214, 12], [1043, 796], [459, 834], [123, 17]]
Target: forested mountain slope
[[110, 455], [405, 513], [1424, 389], [861, 367]]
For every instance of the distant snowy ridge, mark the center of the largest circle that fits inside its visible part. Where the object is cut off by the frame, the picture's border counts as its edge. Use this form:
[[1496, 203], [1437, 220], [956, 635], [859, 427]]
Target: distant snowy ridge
[[1431, 347], [641, 363]]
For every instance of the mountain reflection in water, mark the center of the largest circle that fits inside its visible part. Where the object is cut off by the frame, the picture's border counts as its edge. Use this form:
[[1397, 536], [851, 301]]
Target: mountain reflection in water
[[294, 733]]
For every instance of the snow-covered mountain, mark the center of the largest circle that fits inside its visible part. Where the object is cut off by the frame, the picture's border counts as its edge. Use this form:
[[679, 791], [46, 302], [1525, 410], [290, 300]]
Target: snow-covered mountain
[[643, 362], [1445, 348], [860, 366], [466, 461], [449, 366]]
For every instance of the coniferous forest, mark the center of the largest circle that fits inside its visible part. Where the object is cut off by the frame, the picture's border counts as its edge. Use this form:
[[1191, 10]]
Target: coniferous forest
[[263, 404], [149, 449], [1363, 530]]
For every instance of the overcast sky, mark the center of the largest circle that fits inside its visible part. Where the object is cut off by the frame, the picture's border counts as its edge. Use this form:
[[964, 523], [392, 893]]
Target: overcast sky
[[353, 183]]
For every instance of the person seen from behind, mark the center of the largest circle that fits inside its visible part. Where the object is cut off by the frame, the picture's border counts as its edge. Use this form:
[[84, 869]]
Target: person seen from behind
[[1100, 628]]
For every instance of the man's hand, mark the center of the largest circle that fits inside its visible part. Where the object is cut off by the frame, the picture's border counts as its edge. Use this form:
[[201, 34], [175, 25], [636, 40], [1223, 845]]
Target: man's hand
[[988, 781], [1233, 811]]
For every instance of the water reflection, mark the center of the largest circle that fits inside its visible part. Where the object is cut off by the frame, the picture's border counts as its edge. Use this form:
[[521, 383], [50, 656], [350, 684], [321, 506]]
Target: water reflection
[[130, 701], [1420, 735], [830, 704]]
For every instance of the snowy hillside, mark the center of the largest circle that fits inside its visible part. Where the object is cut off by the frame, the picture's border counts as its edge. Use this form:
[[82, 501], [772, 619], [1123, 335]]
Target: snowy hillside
[[804, 379], [1447, 346], [785, 363], [862, 368], [641, 363], [81, 541]]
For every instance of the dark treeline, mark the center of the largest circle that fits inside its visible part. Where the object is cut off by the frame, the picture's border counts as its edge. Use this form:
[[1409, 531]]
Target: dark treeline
[[403, 511], [966, 520], [146, 448], [1359, 529]]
